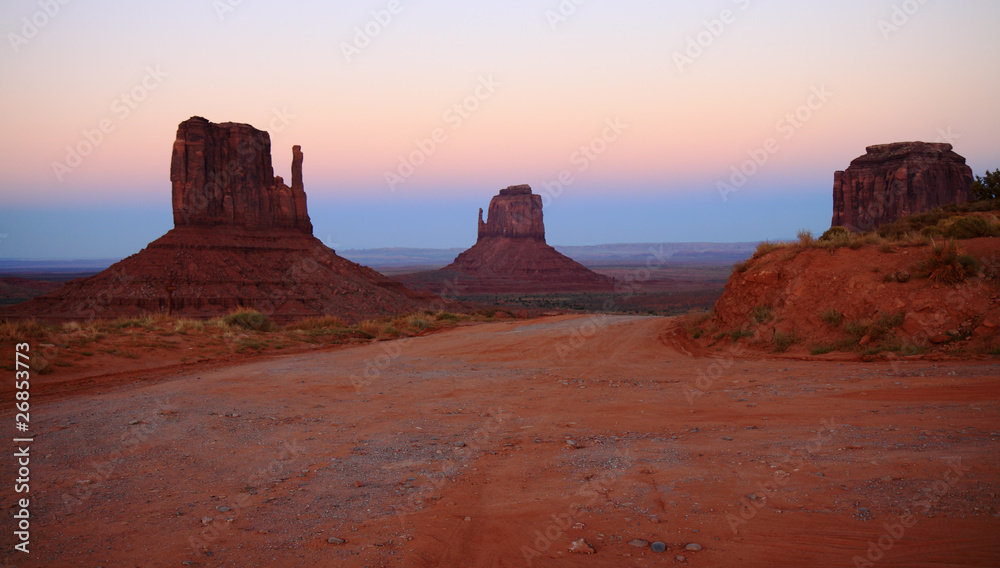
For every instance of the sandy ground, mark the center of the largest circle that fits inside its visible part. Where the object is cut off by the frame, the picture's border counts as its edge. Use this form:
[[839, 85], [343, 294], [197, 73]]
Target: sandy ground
[[500, 445]]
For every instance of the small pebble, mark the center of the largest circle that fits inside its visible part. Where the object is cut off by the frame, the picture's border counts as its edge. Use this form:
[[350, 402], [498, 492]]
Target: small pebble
[[658, 547], [459, 444], [727, 438], [680, 558], [206, 520], [223, 509], [639, 543], [334, 540], [693, 547]]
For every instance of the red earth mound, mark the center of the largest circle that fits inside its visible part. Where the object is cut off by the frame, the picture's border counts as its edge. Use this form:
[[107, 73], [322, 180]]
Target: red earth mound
[[874, 299]]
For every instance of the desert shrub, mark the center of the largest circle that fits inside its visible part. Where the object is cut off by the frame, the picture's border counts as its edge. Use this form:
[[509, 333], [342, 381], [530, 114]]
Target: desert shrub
[[185, 326], [901, 276], [988, 186], [782, 341], [741, 267], [970, 227], [886, 248], [945, 263], [248, 318], [760, 314], [832, 317], [739, 333], [418, 322], [444, 316], [835, 233], [822, 349], [317, 323], [805, 237], [767, 247], [17, 331]]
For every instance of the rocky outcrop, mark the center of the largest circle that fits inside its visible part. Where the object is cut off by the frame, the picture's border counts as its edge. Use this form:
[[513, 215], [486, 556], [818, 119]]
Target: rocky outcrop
[[222, 176], [242, 238], [894, 180], [510, 256], [515, 213]]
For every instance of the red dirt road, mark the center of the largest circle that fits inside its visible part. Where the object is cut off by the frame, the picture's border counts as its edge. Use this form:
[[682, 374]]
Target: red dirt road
[[498, 445]]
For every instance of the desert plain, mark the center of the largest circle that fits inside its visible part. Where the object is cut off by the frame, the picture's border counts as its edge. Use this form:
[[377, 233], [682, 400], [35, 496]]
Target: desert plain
[[569, 440]]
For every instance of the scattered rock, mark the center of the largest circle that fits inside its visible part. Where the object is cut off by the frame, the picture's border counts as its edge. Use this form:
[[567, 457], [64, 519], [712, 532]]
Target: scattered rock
[[693, 546], [727, 438], [658, 547], [581, 547], [223, 509], [335, 540], [206, 520], [639, 543]]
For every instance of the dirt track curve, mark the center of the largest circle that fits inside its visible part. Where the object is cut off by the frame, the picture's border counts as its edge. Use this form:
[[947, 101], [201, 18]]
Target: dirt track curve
[[499, 445]]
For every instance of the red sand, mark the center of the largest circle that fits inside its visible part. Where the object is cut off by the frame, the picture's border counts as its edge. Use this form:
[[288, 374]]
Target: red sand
[[499, 444]]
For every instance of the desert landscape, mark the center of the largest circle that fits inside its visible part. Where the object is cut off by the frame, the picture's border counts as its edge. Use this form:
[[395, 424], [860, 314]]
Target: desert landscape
[[657, 348]]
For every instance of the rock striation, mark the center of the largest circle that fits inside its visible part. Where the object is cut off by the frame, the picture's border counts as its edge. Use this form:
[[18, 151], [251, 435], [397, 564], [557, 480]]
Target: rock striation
[[510, 256], [241, 238], [894, 180], [221, 175]]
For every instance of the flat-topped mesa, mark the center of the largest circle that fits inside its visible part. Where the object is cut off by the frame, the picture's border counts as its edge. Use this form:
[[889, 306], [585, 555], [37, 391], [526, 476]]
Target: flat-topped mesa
[[894, 180], [221, 175], [515, 213]]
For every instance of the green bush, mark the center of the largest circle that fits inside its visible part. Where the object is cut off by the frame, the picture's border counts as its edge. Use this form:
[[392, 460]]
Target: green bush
[[760, 314], [832, 317], [248, 318], [835, 233], [945, 263], [988, 186], [971, 227], [782, 341]]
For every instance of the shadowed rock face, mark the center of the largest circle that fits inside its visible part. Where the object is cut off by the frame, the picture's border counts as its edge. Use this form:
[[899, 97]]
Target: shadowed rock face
[[894, 180], [222, 175], [515, 213]]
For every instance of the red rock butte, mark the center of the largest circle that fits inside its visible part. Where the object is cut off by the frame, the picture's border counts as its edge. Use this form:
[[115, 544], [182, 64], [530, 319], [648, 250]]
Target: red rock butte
[[895, 180], [510, 256], [241, 238]]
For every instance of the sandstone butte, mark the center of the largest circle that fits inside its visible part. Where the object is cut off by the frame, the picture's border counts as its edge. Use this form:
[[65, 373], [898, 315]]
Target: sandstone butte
[[894, 180], [241, 238], [510, 256]]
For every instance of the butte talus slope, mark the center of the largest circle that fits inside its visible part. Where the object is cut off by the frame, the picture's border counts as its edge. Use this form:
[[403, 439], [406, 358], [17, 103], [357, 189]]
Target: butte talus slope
[[510, 256], [241, 238]]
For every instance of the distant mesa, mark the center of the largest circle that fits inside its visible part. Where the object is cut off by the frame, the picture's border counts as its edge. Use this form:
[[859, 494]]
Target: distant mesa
[[510, 256], [892, 181], [241, 238]]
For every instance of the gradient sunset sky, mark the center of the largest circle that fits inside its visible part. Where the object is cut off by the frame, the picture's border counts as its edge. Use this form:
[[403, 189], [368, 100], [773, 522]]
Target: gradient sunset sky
[[692, 87]]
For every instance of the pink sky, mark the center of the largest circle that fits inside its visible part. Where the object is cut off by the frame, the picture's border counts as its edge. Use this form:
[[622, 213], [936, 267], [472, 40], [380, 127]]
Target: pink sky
[[554, 88]]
